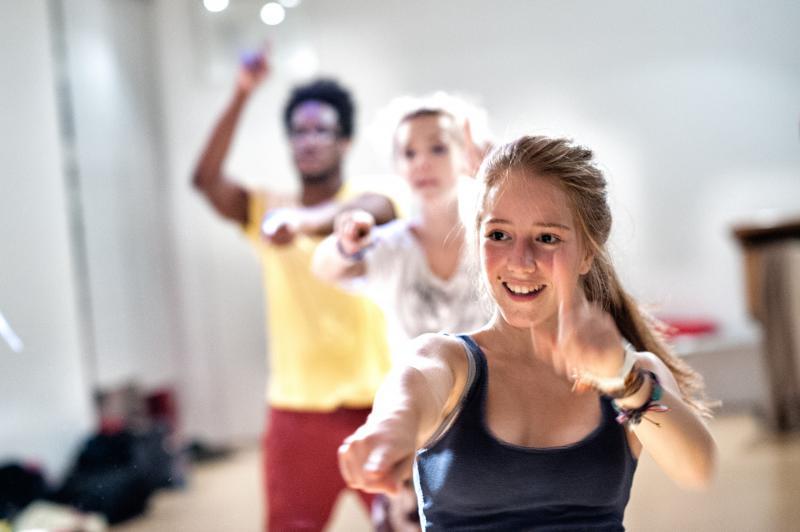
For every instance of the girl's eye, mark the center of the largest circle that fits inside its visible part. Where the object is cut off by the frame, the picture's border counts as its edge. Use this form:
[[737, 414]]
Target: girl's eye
[[496, 236], [409, 154], [548, 238], [439, 149]]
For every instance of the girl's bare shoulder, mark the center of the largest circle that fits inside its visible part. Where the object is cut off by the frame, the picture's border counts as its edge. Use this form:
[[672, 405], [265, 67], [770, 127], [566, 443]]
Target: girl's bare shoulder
[[445, 348]]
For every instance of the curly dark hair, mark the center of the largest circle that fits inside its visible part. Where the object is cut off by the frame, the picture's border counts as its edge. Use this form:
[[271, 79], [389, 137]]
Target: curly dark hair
[[327, 91]]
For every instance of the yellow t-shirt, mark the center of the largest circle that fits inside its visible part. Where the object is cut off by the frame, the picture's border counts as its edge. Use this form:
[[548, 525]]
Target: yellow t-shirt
[[327, 348]]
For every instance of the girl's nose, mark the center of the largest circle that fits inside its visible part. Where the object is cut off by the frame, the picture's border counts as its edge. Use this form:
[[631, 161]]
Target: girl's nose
[[421, 162], [523, 257]]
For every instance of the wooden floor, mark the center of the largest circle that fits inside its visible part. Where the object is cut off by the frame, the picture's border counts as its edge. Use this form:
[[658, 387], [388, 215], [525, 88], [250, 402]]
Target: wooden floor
[[757, 489]]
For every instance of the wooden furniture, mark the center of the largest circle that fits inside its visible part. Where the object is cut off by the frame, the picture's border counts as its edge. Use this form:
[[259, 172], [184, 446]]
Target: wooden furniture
[[772, 277]]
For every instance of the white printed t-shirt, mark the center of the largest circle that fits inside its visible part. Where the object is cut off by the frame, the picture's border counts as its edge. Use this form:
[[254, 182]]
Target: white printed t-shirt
[[413, 299]]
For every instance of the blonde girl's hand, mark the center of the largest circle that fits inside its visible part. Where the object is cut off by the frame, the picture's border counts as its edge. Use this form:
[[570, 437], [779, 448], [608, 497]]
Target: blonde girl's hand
[[586, 345], [254, 69], [377, 458], [474, 153], [353, 229]]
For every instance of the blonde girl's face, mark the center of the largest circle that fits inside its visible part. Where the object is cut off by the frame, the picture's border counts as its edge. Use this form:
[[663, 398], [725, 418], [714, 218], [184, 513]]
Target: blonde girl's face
[[526, 230], [428, 156]]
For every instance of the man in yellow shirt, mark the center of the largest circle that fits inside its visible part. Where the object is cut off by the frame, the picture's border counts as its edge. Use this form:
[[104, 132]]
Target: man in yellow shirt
[[327, 349]]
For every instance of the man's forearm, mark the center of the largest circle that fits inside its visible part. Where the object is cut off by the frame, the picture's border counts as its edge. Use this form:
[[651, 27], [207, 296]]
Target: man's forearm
[[228, 197], [318, 221], [208, 171]]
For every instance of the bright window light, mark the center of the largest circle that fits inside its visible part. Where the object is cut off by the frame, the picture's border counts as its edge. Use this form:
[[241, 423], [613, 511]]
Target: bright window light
[[215, 6], [272, 14], [289, 3]]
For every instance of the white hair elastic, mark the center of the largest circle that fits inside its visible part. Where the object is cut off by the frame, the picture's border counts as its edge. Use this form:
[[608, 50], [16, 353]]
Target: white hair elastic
[[617, 382]]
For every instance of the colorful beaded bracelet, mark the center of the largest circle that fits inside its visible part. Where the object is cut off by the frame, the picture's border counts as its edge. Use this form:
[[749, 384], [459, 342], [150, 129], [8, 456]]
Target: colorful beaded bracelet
[[634, 416]]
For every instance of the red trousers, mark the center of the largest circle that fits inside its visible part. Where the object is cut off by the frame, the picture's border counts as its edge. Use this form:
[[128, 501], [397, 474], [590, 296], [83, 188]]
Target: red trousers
[[301, 466]]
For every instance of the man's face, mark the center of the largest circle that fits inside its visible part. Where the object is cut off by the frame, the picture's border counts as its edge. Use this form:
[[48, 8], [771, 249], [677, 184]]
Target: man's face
[[317, 147]]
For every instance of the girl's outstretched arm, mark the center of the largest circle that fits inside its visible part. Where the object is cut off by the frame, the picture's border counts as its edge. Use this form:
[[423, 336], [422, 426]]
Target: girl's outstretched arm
[[411, 404]]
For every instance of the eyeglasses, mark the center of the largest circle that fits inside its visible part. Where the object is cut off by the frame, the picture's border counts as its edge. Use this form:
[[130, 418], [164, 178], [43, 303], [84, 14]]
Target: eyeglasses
[[316, 134]]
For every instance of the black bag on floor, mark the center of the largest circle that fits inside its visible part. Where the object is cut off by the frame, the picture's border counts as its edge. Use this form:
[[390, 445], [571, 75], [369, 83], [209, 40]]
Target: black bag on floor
[[19, 486], [108, 478]]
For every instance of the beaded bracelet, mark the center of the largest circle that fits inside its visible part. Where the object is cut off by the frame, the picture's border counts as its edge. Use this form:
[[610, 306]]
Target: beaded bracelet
[[634, 416], [355, 257]]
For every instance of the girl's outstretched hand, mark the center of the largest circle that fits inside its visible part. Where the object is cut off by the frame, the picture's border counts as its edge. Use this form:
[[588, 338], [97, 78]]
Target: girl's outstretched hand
[[377, 457], [586, 344], [473, 152], [353, 228]]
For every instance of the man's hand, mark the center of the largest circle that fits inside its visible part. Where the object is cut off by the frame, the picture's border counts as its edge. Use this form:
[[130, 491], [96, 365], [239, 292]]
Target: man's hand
[[280, 226], [255, 67]]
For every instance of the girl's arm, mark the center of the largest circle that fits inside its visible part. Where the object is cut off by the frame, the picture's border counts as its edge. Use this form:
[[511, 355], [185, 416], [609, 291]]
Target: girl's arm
[[677, 439], [411, 404], [587, 346]]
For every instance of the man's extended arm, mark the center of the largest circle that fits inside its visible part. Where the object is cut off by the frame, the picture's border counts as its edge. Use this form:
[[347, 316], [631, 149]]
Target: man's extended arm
[[229, 198], [318, 221], [280, 226]]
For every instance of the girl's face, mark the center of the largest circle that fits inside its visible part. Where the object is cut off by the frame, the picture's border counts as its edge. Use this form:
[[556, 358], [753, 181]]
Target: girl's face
[[428, 156], [528, 243]]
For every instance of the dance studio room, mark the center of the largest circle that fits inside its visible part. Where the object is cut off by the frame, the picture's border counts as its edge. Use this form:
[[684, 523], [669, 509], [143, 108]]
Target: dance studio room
[[259, 269]]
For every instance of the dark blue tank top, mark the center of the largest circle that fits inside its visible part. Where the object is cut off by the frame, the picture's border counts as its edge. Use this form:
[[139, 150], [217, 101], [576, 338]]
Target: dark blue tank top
[[470, 480]]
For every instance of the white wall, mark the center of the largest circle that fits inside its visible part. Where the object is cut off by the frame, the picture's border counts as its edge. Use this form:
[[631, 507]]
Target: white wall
[[115, 223], [223, 366], [45, 407], [691, 106], [113, 83]]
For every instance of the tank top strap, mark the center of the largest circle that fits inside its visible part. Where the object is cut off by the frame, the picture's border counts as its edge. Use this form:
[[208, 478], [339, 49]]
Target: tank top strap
[[477, 381], [469, 408]]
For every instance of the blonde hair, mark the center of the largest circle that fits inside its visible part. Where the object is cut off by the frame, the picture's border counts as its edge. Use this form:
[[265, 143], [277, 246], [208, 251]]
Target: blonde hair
[[573, 169], [459, 107], [454, 129]]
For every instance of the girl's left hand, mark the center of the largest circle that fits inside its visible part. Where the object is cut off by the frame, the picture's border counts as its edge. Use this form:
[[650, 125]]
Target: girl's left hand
[[473, 153], [353, 228], [586, 342]]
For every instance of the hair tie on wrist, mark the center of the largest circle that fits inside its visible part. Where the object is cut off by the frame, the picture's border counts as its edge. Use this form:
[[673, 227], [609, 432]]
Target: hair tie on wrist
[[610, 385]]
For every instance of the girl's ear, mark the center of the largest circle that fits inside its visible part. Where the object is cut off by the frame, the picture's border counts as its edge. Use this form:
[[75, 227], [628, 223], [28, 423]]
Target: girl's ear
[[586, 262]]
